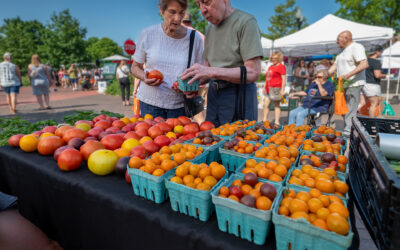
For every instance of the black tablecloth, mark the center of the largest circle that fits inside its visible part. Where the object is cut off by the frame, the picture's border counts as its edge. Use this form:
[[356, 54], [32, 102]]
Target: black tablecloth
[[84, 211]]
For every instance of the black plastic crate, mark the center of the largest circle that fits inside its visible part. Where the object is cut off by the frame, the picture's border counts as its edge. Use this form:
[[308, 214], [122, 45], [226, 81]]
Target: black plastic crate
[[375, 186], [375, 126]]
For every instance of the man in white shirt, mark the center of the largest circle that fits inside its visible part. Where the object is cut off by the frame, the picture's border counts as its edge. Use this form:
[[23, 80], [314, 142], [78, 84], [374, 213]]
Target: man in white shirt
[[350, 64]]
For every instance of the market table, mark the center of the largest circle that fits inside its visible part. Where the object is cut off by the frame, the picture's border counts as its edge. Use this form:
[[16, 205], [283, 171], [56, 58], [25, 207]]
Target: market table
[[84, 211]]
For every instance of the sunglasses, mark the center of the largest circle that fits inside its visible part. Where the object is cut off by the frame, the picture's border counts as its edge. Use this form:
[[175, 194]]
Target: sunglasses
[[319, 77]]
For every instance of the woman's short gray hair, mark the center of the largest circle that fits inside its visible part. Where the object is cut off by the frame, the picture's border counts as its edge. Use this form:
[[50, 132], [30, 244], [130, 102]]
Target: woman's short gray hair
[[7, 56], [324, 72], [164, 4]]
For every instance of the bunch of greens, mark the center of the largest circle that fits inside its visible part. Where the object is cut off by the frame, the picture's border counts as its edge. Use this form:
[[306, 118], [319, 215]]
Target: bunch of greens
[[396, 166], [88, 115], [345, 83], [16, 125]]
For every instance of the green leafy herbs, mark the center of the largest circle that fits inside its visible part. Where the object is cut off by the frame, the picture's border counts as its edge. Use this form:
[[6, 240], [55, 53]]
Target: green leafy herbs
[[345, 83], [16, 125]]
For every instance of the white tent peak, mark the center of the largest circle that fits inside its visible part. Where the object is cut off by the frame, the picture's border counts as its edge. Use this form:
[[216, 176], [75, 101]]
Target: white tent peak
[[266, 45], [115, 58], [320, 37], [395, 50]]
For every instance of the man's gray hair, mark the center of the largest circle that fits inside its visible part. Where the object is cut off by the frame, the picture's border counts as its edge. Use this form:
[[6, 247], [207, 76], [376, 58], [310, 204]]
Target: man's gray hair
[[7, 56]]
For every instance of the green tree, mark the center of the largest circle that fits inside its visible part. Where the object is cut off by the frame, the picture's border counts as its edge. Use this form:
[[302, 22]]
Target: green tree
[[198, 21], [284, 21], [100, 48], [22, 39], [63, 41], [374, 12]]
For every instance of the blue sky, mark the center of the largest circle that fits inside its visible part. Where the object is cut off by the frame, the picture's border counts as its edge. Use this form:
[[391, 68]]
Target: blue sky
[[122, 19]]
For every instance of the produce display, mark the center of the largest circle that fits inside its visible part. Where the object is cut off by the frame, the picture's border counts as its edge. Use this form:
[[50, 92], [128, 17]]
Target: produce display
[[326, 212], [199, 176], [155, 154], [250, 192], [395, 165]]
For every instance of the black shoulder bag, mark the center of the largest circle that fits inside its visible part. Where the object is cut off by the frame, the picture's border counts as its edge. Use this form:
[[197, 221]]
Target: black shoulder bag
[[194, 105]]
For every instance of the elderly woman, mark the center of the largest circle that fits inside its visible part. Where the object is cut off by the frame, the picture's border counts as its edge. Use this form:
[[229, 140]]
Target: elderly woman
[[165, 47], [232, 43], [275, 81], [320, 87], [10, 80]]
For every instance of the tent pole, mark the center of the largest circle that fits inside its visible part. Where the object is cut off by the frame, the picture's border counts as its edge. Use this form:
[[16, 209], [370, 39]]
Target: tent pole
[[388, 76]]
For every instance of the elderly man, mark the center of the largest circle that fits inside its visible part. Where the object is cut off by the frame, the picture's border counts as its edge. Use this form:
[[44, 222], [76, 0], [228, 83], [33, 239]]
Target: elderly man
[[350, 64], [232, 40], [10, 80]]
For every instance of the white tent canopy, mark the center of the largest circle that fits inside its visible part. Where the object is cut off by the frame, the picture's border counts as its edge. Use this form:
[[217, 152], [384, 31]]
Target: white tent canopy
[[266, 46], [395, 56], [115, 58], [320, 37]]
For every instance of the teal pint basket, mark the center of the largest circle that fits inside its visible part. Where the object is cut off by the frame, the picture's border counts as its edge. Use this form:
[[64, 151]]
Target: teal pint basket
[[305, 188], [213, 152], [189, 201], [245, 222], [300, 234], [184, 86], [149, 186]]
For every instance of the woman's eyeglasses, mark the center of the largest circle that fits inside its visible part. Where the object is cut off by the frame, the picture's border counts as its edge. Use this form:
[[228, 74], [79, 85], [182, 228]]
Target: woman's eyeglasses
[[319, 77]]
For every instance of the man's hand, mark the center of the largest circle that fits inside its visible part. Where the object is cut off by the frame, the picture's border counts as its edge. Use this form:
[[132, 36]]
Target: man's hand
[[198, 72], [282, 92], [175, 86], [153, 82], [291, 95], [344, 77]]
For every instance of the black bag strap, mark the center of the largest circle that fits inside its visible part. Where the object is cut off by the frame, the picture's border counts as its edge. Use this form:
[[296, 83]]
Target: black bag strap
[[191, 45], [241, 94]]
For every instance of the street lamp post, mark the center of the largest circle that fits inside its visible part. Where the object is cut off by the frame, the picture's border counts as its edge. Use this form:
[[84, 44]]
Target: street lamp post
[[299, 18]]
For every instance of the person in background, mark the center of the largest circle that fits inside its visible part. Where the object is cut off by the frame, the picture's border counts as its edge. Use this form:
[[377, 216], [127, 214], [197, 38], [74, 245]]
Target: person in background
[[40, 80], [232, 40], [311, 70], [51, 72], [10, 81], [301, 76], [320, 87], [203, 89], [372, 89], [61, 77], [97, 76], [73, 77], [164, 47], [66, 78], [324, 64], [275, 82], [123, 75], [350, 64]]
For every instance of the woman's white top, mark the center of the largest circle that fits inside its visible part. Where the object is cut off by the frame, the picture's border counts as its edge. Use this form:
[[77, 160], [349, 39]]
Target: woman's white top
[[123, 72], [168, 55], [8, 75]]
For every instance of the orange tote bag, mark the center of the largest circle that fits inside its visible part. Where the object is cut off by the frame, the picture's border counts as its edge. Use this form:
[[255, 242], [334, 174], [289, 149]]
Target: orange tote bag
[[340, 100]]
